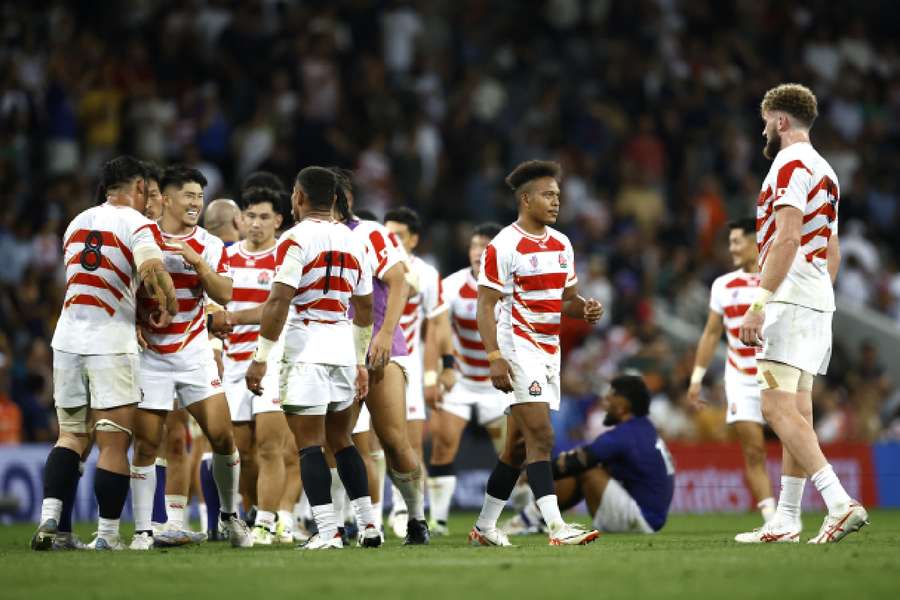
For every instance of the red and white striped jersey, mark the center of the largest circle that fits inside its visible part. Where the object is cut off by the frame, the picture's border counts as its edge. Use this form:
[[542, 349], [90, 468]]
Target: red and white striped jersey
[[461, 297], [731, 295], [252, 273], [98, 314], [531, 272], [183, 343], [801, 178], [327, 265], [426, 304]]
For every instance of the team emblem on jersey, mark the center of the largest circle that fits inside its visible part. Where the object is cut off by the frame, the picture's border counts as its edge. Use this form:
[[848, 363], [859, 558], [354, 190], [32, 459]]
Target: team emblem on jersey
[[263, 278], [563, 262], [534, 262], [534, 389]]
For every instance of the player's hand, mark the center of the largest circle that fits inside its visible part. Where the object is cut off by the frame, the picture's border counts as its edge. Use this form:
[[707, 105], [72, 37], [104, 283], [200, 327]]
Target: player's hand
[[189, 255], [447, 379], [376, 375], [380, 350], [695, 398], [593, 311], [254, 377], [142, 341], [751, 327], [362, 382], [160, 319], [502, 375], [432, 396], [221, 324]]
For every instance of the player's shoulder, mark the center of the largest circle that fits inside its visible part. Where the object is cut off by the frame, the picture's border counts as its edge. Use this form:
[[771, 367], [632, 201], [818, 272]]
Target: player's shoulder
[[205, 238], [559, 236], [423, 267], [455, 279], [797, 156]]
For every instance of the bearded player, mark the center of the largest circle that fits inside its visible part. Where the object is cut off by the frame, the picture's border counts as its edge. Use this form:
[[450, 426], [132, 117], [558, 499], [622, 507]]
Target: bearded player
[[790, 318]]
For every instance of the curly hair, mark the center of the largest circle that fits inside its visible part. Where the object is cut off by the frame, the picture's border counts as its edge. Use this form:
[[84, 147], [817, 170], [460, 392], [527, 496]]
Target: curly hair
[[531, 170], [793, 98]]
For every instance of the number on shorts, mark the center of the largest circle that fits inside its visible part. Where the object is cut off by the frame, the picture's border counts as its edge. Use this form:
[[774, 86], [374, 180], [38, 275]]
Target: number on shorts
[[91, 256], [666, 456]]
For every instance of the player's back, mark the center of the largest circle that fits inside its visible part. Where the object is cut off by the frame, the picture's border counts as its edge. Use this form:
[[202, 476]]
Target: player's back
[[98, 314], [731, 296], [802, 178], [461, 296]]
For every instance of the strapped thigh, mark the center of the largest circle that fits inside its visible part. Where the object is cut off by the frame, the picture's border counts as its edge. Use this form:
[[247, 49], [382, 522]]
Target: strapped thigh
[[777, 376]]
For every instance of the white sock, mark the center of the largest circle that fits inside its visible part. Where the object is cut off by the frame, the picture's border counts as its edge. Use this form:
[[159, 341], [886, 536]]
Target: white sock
[[287, 521], [766, 508], [363, 512], [521, 496], [398, 504], [204, 526], [302, 509], [265, 518], [143, 488], [490, 512], [161, 462], [108, 528], [339, 497], [833, 493], [440, 494], [790, 498], [325, 520], [549, 508], [380, 471], [175, 504], [410, 486], [51, 508], [226, 470], [379, 516], [532, 513]]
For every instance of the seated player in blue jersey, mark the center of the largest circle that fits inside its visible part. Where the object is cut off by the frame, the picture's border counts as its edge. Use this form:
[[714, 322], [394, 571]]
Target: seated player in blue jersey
[[626, 475]]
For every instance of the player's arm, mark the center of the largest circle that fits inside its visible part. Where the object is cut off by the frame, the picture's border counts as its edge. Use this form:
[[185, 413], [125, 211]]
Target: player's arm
[[706, 349], [572, 462], [223, 322], [157, 282], [788, 223], [439, 359], [577, 307], [217, 287], [363, 320], [834, 257], [274, 314], [501, 373], [398, 290]]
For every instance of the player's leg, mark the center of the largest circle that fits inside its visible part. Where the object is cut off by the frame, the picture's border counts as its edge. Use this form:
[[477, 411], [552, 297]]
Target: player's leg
[[66, 538], [753, 447], [388, 411], [269, 429], [61, 473], [291, 490], [113, 430], [499, 487], [363, 440], [178, 475], [244, 442], [446, 431], [793, 477], [148, 433], [612, 507]]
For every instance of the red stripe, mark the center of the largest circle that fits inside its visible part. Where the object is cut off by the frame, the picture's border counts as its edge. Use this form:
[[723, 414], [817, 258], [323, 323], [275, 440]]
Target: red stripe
[[541, 282], [549, 349], [470, 344], [109, 239], [474, 362], [320, 262], [740, 282], [89, 300], [96, 281], [378, 244], [769, 233], [173, 348], [180, 327], [410, 308], [736, 310], [824, 231], [542, 328], [477, 377], [820, 253], [763, 196], [826, 209], [744, 352], [735, 331], [750, 371], [224, 262], [243, 337], [783, 179], [470, 324], [185, 280], [490, 265], [240, 356], [336, 284], [326, 304], [188, 304], [197, 246], [282, 250], [249, 295], [105, 263], [530, 246], [264, 262], [468, 292], [540, 306], [154, 230]]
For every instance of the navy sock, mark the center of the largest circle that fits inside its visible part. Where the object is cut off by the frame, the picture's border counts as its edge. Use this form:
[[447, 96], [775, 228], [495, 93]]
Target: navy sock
[[352, 470], [316, 476], [159, 497], [442, 470], [540, 478], [502, 481], [61, 473], [210, 494], [111, 490]]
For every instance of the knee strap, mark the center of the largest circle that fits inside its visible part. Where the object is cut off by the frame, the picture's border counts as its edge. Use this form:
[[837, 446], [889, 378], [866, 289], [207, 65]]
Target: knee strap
[[777, 376], [73, 420], [806, 382], [111, 426]]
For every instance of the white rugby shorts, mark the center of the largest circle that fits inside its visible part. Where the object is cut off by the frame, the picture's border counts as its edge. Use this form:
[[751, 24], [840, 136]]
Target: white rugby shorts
[[244, 404], [101, 381], [797, 336], [619, 512], [535, 379], [415, 388], [743, 400], [161, 389], [314, 389], [482, 397]]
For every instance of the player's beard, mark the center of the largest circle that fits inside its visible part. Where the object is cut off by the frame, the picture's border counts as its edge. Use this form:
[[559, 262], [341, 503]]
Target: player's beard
[[610, 419], [773, 146]]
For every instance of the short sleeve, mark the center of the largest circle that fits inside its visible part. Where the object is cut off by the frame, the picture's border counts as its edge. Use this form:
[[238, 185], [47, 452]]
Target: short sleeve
[[571, 276], [433, 295], [216, 256], [495, 269], [364, 282], [715, 297], [288, 262], [385, 252], [146, 234], [605, 447], [792, 184]]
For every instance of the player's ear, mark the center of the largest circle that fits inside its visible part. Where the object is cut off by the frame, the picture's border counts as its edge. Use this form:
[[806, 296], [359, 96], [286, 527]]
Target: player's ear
[[278, 221]]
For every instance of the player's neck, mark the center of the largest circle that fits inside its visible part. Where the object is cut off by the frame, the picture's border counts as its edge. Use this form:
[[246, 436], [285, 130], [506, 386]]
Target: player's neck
[[530, 226], [794, 136], [254, 247], [321, 215], [174, 227], [750, 267], [119, 200]]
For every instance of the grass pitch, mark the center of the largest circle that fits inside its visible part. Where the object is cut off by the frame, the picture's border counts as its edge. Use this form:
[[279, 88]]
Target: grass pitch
[[693, 557]]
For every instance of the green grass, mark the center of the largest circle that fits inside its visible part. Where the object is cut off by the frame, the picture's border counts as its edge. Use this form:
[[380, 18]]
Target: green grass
[[692, 558]]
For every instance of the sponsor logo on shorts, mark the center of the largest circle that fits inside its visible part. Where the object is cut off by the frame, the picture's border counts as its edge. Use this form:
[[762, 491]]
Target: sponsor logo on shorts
[[534, 389], [216, 383]]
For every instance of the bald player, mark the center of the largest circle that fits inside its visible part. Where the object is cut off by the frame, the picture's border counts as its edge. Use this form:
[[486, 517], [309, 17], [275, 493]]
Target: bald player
[[222, 218]]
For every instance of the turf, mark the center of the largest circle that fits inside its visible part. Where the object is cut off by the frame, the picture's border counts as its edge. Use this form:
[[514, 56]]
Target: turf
[[692, 558]]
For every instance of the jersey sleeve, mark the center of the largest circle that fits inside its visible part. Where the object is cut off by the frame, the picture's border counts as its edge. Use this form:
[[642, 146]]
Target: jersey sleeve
[[364, 282], [433, 294], [605, 447], [792, 184], [496, 270], [216, 256], [715, 297], [288, 262], [571, 276], [385, 252]]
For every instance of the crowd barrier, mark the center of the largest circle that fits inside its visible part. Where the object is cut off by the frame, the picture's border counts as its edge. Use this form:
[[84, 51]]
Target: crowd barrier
[[709, 478]]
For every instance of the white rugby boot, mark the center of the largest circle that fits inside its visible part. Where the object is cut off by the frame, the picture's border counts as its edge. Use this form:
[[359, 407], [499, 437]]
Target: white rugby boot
[[489, 537], [773, 532], [572, 535], [837, 527], [142, 541], [317, 542]]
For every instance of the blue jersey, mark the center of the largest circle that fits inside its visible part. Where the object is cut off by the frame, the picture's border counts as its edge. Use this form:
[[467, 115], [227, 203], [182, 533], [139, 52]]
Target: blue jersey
[[634, 454]]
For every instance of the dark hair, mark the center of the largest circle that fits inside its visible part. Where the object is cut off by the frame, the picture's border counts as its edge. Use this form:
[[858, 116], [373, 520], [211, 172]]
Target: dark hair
[[179, 175], [261, 195], [365, 214], [263, 179], [406, 216], [153, 171], [488, 230], [343, 186], [531, 170], [633, 389], [747, 225], [795, 99], [318, 183], [121, 170]]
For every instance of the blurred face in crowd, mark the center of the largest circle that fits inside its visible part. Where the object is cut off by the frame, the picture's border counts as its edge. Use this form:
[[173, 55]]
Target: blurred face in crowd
[[154, 207], [476, 249], [742, 247], [617, 406], [541, 200], [261, 222], [773, 121], [184, 204], [401, 230]]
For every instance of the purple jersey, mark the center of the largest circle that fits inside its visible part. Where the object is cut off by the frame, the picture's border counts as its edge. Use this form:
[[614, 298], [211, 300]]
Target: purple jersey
[[384, 252]]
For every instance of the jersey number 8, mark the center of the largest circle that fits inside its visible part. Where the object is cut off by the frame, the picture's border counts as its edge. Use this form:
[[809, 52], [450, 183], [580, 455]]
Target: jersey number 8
[[91, 256]]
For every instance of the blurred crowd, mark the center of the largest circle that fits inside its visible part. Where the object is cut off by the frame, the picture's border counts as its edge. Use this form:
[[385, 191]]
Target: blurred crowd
[[650, 105]]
